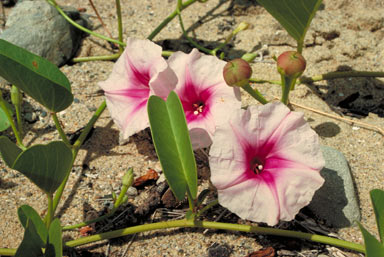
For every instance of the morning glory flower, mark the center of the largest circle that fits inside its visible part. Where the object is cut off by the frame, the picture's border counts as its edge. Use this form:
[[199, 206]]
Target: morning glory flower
[[207, 100], [140, 72], [265, 163]]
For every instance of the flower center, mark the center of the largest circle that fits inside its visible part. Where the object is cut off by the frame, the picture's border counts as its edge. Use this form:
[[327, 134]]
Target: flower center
[[198, 107], [256, 165]]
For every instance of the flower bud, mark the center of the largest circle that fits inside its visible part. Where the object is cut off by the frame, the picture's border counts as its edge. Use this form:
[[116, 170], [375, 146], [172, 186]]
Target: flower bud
[[249, 57], [291, 64], [128, 178], [237, 73], [242, 26]]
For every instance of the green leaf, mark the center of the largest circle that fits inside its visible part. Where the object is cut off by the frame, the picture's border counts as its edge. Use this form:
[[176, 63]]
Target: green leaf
[[4, 122], [45, 165], [27, 214], [373, 248], [55, 242], [31, 244], [294, 15], [9, 151], [173, 145], [36, 76], [377, 197]]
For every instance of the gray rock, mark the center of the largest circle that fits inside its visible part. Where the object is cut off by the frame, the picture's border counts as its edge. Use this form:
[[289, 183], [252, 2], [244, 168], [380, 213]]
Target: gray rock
[[335, 202], [38, 27]]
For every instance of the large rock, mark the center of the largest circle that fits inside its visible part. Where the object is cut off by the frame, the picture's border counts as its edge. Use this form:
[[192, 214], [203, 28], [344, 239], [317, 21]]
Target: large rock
[[335, 202], [38, 27]]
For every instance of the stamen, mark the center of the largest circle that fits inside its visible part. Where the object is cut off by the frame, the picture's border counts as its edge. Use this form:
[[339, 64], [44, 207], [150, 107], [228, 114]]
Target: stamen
[[198, 107]]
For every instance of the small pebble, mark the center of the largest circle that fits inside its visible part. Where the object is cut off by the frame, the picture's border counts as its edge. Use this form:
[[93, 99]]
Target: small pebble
[[91, 108], [132, 192], [43, 114], [76, 101], [30, 117]]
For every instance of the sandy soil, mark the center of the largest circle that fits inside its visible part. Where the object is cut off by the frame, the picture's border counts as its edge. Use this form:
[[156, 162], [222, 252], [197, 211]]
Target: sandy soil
[[345, 35]]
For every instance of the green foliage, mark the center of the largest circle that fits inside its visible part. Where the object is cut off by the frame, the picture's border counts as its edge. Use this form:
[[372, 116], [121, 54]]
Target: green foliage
[[294, 15], [377, 197], [36, 76], [37, 236], [9, 151], [27, 214], [45, 165], [4, 122], [32, 244], [54, 246], [173, 146], [373, 248]]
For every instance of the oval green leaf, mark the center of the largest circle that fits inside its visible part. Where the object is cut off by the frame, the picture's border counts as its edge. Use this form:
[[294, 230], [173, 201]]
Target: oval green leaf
[[172, 143], [36, 76], [9, 151], [31, 244], [377, 197], [45, 165], [294, 15], [27, 214], [4, 122]]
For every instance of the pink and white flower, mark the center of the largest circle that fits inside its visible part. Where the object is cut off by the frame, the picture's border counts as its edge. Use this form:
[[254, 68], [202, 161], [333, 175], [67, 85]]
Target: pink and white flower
[[140, 72], [265, 163], [207, 100]]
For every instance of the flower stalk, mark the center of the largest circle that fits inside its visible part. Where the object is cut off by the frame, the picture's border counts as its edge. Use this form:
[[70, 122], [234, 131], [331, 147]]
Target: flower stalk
[[217, 225], [207, 225], [170, 18], [54, 4], [59, 128], [119, 24], [255, 94], [75, 148], [286, 84], [4, 107], [49, 216]]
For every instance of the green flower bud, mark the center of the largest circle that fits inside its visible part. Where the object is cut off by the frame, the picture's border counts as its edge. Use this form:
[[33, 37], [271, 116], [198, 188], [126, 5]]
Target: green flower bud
[[128, 178], [291, 64], [242, 26], [237, 73], [249, 57]]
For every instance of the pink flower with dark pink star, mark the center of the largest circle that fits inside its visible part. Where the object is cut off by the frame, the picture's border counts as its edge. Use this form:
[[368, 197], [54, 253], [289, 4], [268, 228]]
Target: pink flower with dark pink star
[[207, 100], [265, 163], [140, 72]]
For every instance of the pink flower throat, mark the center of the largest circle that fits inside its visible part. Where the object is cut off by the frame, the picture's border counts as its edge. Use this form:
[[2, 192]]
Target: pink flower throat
[[256, 165]]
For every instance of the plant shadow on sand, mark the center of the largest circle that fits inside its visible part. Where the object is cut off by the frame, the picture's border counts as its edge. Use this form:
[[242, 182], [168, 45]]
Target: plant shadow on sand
[[355, 97]]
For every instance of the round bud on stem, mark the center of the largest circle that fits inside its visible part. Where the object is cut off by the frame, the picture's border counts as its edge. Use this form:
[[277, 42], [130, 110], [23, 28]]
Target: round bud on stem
[[291, 64], [237, 73]]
